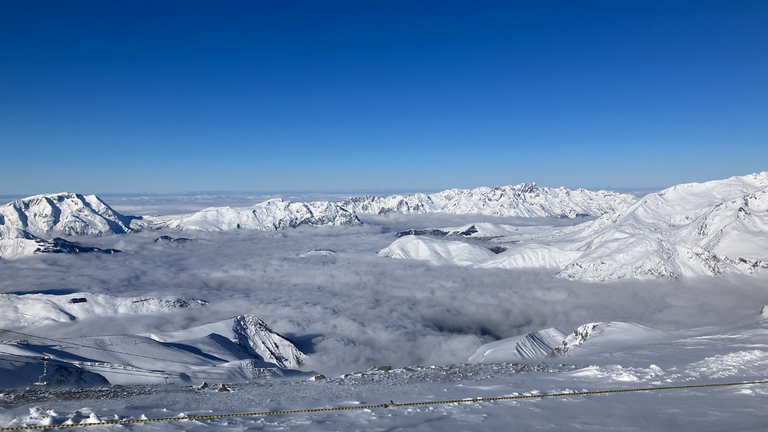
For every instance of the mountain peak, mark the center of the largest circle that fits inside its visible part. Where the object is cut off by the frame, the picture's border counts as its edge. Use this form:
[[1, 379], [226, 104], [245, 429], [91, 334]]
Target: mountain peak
[[65, 213]]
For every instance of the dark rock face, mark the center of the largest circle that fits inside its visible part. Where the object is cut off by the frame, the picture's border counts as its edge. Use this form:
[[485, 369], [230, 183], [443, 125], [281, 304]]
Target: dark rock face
[[497, 249], [426, 232], [59, 245], [167, 238], [469, 231], [78, 300]]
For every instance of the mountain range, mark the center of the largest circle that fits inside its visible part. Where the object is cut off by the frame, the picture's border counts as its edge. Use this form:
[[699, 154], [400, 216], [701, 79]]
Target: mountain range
[[30, 225], [708, 229], [694, 229]]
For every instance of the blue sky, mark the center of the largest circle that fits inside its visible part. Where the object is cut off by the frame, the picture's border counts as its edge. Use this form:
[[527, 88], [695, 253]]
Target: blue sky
[[111, 97]]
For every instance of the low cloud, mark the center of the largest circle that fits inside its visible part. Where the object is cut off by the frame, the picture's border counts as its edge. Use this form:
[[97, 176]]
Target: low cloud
[[353, 309]]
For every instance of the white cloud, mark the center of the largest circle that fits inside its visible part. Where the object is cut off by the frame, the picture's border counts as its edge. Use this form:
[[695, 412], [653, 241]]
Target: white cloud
[[354, 309]]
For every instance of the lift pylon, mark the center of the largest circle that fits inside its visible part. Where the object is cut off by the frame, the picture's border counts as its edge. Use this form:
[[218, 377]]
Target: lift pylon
[[41, 379]]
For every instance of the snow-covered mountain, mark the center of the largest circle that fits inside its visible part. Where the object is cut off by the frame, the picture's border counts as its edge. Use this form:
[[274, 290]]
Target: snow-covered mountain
[[251, 333], [267, 216], [532, 346], [65, 214], [436, 251], [36, 309], [607, 337], [690, 229], [547, 343], [523, 200], [28, 226], [32, 225], [240, 348]]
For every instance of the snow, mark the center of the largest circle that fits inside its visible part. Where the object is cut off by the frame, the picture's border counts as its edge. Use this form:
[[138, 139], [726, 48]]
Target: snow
[[649, 364], [696, 229], [532, 346], [249, 331], [37, 309], [27, 225], [243, 347], [435, 251], [610, 336], [267, 216], [687, 310], [525, 199], [530, 256]]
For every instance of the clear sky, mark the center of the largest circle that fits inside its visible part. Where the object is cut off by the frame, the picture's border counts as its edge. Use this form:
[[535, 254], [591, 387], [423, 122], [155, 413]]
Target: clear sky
[[148, 96]]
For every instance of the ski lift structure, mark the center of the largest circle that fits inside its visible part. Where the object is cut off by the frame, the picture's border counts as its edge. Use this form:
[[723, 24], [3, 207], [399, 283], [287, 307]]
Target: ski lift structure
[[42, 379]]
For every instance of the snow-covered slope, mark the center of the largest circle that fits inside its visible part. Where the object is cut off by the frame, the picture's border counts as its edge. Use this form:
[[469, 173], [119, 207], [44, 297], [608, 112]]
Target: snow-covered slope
[[524, 200], [690, 229], [21, 366], [65, 214], [481, 230], [606, 336], [30, 225], [530, 256], [704, 229], [269, 215], [241, 348], [35, 309], [436, 251], [535, 345], [250, 332]]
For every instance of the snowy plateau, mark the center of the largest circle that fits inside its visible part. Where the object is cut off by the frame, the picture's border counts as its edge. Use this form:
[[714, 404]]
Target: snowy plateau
[[349, 302]]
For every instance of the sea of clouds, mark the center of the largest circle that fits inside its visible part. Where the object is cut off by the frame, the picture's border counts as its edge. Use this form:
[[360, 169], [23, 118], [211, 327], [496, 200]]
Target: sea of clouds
[[352, 309]]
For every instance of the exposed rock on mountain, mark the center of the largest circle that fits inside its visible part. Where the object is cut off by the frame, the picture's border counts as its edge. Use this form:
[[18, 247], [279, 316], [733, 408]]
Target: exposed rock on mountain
[[261, 340], [535, 345], [27, 225], [252, 334], [606, 337], [65, 214], [169, 239], [691, 229], [267, 216], [524, 200], [34, 309], [704, 229]]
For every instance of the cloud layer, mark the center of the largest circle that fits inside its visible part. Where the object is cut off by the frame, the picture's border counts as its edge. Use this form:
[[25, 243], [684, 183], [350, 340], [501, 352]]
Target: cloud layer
[[350, 308]]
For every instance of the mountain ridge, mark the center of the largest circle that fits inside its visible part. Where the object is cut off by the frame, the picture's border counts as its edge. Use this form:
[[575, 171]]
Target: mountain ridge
[[693, 229], [28, 225]]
